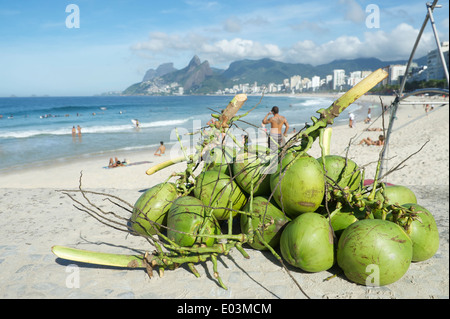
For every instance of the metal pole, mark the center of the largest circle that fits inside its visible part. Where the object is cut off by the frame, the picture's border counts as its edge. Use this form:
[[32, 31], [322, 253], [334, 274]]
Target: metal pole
[[441, 54], [427, 17], [402, 87]]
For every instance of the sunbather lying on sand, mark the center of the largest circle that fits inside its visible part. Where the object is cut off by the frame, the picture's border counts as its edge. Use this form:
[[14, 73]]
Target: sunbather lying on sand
[[369, 141], [115, 163]]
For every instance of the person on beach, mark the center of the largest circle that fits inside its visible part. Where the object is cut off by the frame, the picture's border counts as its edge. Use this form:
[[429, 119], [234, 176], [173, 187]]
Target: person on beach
[[111, 163], [351, 119], [369, 117], [74, 131], [276, 138], [161, 149], [115, 163], [79, 130], [369, 141], [374, 129]]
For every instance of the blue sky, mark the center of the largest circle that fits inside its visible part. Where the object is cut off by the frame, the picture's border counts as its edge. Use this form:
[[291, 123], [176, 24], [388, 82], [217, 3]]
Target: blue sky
[[118, 40]]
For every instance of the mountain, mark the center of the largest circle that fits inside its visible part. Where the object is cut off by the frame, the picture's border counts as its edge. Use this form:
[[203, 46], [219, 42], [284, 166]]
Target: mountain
[[191, 77], [167, 80], [199, 78], [265, 71], [161, 70]]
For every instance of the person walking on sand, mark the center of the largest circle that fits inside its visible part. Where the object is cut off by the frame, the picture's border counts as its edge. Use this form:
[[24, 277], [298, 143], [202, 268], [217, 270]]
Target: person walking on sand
[[351, 119], [161, 149], [277, 121], [369, 117]]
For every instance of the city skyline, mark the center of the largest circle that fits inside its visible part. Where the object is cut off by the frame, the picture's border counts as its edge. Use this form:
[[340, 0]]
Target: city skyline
[[45, 51]]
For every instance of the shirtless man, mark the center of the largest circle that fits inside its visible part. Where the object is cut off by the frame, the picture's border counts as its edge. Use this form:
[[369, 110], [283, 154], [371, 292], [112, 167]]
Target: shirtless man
[[276, 122], [161, 149]]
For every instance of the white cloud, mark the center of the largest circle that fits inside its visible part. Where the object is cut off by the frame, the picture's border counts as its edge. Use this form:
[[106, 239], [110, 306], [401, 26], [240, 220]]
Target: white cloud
[[237, 48], [398, 43], [394, 45], [353, 11], [215, 51], [385, 45]]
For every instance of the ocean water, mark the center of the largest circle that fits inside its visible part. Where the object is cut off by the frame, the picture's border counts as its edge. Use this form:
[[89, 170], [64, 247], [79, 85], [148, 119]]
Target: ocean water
[[36, 130]]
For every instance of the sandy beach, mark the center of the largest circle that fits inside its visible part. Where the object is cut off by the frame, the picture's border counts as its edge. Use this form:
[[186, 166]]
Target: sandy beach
[[35, 215]]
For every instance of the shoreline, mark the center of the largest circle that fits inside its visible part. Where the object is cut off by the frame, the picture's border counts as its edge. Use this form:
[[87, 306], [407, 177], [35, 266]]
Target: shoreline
[[363, 102], [408, 116], [124, 151]]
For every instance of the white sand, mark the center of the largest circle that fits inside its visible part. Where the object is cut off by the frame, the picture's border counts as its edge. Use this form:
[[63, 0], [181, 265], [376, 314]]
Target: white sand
[[34, 217]]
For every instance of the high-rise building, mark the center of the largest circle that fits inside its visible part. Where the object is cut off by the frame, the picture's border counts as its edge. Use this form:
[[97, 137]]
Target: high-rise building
[[396, 71], [296, 82], [435, 69], [338, 79], [315, 82]]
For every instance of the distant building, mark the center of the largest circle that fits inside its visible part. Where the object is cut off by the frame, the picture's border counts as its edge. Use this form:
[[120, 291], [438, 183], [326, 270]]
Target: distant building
[[296, 81], [365, 74], [315, 83], [272, 88], [417, 74], [338, 79], [306, 84], [396, 71], [435, 70], [286, 84], [354, 78], [255, 88]]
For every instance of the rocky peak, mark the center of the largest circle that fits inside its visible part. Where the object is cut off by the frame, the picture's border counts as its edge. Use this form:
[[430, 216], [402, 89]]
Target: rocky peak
[[195, 62], [161, 70]]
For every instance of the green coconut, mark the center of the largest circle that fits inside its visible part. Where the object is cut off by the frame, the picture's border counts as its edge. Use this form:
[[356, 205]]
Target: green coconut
[[345, 216], [344, 172], [150, 210], [220, 158], [423, 232], [250, 168], [271, 218], [307, 243], [299, 186], [374, 252], [397, 194], [187, 219], [216, 189]]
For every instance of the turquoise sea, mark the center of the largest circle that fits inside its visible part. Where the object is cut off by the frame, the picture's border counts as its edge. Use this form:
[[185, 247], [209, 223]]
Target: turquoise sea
[[34, 130]]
